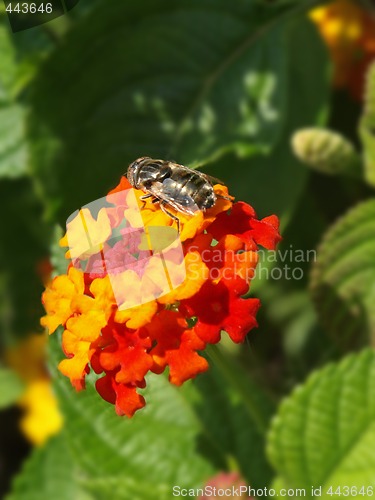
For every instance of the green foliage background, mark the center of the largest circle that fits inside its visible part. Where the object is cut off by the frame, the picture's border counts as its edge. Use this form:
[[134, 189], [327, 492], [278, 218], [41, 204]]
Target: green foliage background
[[223, 86]]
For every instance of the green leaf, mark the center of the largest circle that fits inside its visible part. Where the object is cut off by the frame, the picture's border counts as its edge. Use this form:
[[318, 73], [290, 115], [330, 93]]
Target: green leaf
[[58, 261], [342, 280], [266, 180], [11, 387], [125, 488], [13, 149], [21, 56], [186, 81], [243, 408], [49, 473], [7, 61], [106, 445], [324, 433], [277, 485], [182, 437], [23, 248]]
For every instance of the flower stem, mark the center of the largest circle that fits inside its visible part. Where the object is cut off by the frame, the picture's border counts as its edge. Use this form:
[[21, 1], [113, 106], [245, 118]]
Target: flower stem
[[257, 402]]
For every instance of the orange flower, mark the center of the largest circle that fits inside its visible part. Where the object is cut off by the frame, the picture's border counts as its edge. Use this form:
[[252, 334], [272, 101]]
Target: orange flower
[[348, 29], [58, 298], [78, 339], [142, 298]]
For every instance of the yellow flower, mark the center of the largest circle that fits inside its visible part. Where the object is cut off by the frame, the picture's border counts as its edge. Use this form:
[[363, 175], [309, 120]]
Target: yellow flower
[[41, 418]]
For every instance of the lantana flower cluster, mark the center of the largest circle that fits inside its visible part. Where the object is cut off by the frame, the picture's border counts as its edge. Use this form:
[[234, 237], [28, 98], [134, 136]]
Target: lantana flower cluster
[[348, 29], [142, 298]]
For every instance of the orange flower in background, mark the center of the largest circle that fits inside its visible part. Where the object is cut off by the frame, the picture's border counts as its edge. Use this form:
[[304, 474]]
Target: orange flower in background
[[138, 297], [348, 29]]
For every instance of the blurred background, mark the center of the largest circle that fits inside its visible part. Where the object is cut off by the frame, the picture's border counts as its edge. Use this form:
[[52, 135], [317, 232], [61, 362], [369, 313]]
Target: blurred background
[[269, 96]]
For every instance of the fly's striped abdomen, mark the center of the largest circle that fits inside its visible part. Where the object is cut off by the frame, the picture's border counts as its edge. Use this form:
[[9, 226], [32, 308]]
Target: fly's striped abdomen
[[193, 185]]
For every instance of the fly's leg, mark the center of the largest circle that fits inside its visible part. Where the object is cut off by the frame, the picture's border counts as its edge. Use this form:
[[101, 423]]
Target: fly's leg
[[224, 197], [162, 206], [143, 198]]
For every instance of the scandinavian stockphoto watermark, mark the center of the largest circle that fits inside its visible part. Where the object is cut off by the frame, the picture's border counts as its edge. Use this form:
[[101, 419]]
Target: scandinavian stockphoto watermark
[[288, 263]]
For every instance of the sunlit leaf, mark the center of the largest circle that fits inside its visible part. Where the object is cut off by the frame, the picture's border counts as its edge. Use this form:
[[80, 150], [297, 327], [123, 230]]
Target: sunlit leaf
[[324, 433], [13, 151], [186, 81], [273, 183]]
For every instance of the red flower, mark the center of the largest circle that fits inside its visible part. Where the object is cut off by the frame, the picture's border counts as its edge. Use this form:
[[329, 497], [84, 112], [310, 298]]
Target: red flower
[[124, 396], [176, 347], [126, 353], [242, 222], [218, 307]]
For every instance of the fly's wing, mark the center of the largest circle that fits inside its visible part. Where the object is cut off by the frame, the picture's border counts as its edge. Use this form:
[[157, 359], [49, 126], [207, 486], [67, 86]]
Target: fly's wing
[[166, 191], [212, 180]]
